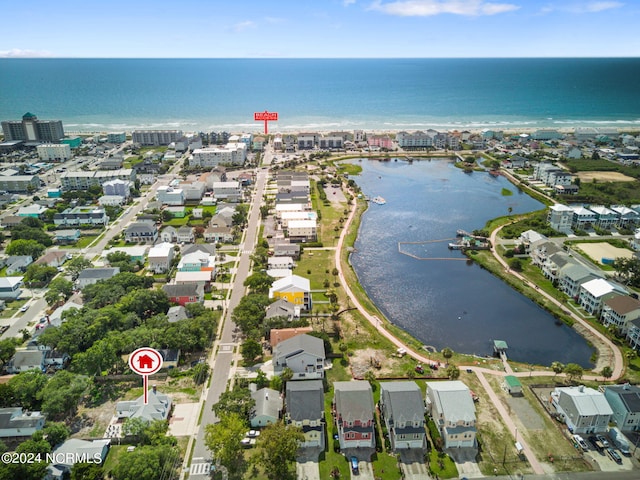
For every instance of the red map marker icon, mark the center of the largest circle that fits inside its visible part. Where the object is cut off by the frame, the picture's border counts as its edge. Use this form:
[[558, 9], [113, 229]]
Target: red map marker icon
[[145, 361]]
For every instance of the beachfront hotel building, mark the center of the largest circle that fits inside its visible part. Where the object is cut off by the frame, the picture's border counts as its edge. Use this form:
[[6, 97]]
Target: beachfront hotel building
[[156, 137], [32, 130]]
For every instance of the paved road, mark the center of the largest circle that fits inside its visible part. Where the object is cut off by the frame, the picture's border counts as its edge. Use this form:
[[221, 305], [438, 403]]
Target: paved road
[[223, 352], [36, 305]]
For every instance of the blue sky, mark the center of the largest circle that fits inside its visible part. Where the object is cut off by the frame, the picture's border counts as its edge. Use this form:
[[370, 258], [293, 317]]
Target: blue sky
[[320, 28]]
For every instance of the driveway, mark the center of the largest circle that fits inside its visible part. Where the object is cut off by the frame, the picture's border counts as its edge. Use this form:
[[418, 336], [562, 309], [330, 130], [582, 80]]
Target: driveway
[[365, 467], [412, 465], [307, 467], [465, 460]]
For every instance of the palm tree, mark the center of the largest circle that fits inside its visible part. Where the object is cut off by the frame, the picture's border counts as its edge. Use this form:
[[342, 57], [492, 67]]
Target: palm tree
[[607, 372], [453, 372], [447, 353], [557, 367]]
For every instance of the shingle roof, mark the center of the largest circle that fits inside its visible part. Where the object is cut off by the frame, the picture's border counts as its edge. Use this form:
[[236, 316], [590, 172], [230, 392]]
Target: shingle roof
[[305, 400], [354, 400]]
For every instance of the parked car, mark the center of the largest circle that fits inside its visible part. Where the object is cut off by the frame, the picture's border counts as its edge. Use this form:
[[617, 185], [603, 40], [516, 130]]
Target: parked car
[[597, 444], [603, 440], [419, 369], [354, 466], [614, 455], [580, 442], [24, 308]]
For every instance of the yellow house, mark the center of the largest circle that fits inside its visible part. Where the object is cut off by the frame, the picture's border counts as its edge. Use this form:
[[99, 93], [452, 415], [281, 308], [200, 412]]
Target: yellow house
[[295, 289]]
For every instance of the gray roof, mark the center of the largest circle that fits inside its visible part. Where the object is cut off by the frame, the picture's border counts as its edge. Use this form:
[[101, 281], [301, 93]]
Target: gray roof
[[141, 227], [157, 408], [299, 343], [354, 400], [14, 417], [268, 403], [305, 400], [402, 400], [100, 273], [182, 290], [177, 313], [199, 247], [629, 395], [280, 308], [561, 259], [453, 400], [27, 358]]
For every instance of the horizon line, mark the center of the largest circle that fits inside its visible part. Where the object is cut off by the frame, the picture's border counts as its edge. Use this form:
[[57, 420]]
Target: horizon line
[[44, 57]]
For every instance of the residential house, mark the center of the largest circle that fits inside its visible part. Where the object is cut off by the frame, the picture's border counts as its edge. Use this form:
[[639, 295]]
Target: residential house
[[451, 406], [230, 191], [136, 253], [283, 308], [160, 257], [560, 218], [158, 407], [594, 292], [197, 261], [624, 401], [277, 335], [280, 263], [627, 217], [354, 414], [34, 211], [295, 289], [619, 310], [26, 359], [141, 232], [87, 216], [186, 234], [202, 278], [170, 357], [111, 201], [554, 263], [184, 293], [177, 313], [633, 333], [287, 250], [55, 359], [305, 409], [605, 217], [267, 408], [89, 276], [583, 218], [15, 423], [17, 263], [529, 237], [572, 276], [169, 234], [286, 217], [53, 258], [10, 288], [403, 411], [303, 354], [68, 236], [302, 230], [583, 409], [216, 234], [541, 250], [200, 248], [11, 221], [170, 196], [178, 211]]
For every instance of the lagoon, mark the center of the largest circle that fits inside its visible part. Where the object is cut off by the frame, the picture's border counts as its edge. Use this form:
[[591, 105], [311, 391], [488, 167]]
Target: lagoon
[[434, 293]]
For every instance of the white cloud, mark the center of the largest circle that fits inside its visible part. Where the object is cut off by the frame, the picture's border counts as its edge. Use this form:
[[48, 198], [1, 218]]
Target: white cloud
[[427, 8], [346, 3], [20, 53], [241, 26], [582, 7]]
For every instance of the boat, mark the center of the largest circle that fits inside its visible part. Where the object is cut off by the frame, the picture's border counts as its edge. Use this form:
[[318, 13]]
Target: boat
[[379, 200], [455, 246]]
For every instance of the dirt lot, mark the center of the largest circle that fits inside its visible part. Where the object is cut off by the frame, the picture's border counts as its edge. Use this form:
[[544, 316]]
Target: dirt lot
[[604, 177], [597, 251], [364, 360]]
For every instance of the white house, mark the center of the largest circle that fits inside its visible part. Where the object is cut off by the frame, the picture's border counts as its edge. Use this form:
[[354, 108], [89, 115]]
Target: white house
[[160, 257], [303, 354], [583, 409], [594, 292], [451, 406]]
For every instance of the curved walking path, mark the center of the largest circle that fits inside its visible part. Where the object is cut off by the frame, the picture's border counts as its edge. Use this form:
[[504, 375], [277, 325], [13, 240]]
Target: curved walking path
[[618, 364]]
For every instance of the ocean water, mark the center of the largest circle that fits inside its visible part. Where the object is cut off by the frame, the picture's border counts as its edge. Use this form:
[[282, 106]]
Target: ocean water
[[403, 262], [322, 94]]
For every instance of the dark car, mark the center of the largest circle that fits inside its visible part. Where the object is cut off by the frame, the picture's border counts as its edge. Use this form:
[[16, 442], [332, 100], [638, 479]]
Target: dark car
[[602, 439], [614, 455], [354, 466]]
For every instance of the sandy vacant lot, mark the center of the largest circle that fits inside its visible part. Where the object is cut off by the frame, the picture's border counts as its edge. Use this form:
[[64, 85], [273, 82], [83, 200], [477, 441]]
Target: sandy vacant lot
[[599, 250], [604, 177]]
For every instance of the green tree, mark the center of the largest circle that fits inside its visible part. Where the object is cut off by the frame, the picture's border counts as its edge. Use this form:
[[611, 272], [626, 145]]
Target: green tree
[[145, 303], [87, 471], [250, 312], [250, 351], [573, 371], [557, 367], [259, 282], [515, 264], [447, 353], [39, 275], [76, 265], [27, 386], [7, 349], [607, 372], [453, 372], [25, 247], [236, 401], [62, 393], [277, 448], [59, 289], [55, 433], [146, 462], [224, 440]]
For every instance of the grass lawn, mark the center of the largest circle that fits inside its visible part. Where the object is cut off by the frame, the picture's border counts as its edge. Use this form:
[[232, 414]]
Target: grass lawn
[[436, 459], [115, 456], [85, 241], [317, 262]]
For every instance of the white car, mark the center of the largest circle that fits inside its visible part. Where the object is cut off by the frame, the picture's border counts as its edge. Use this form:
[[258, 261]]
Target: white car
[[24, 308]]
